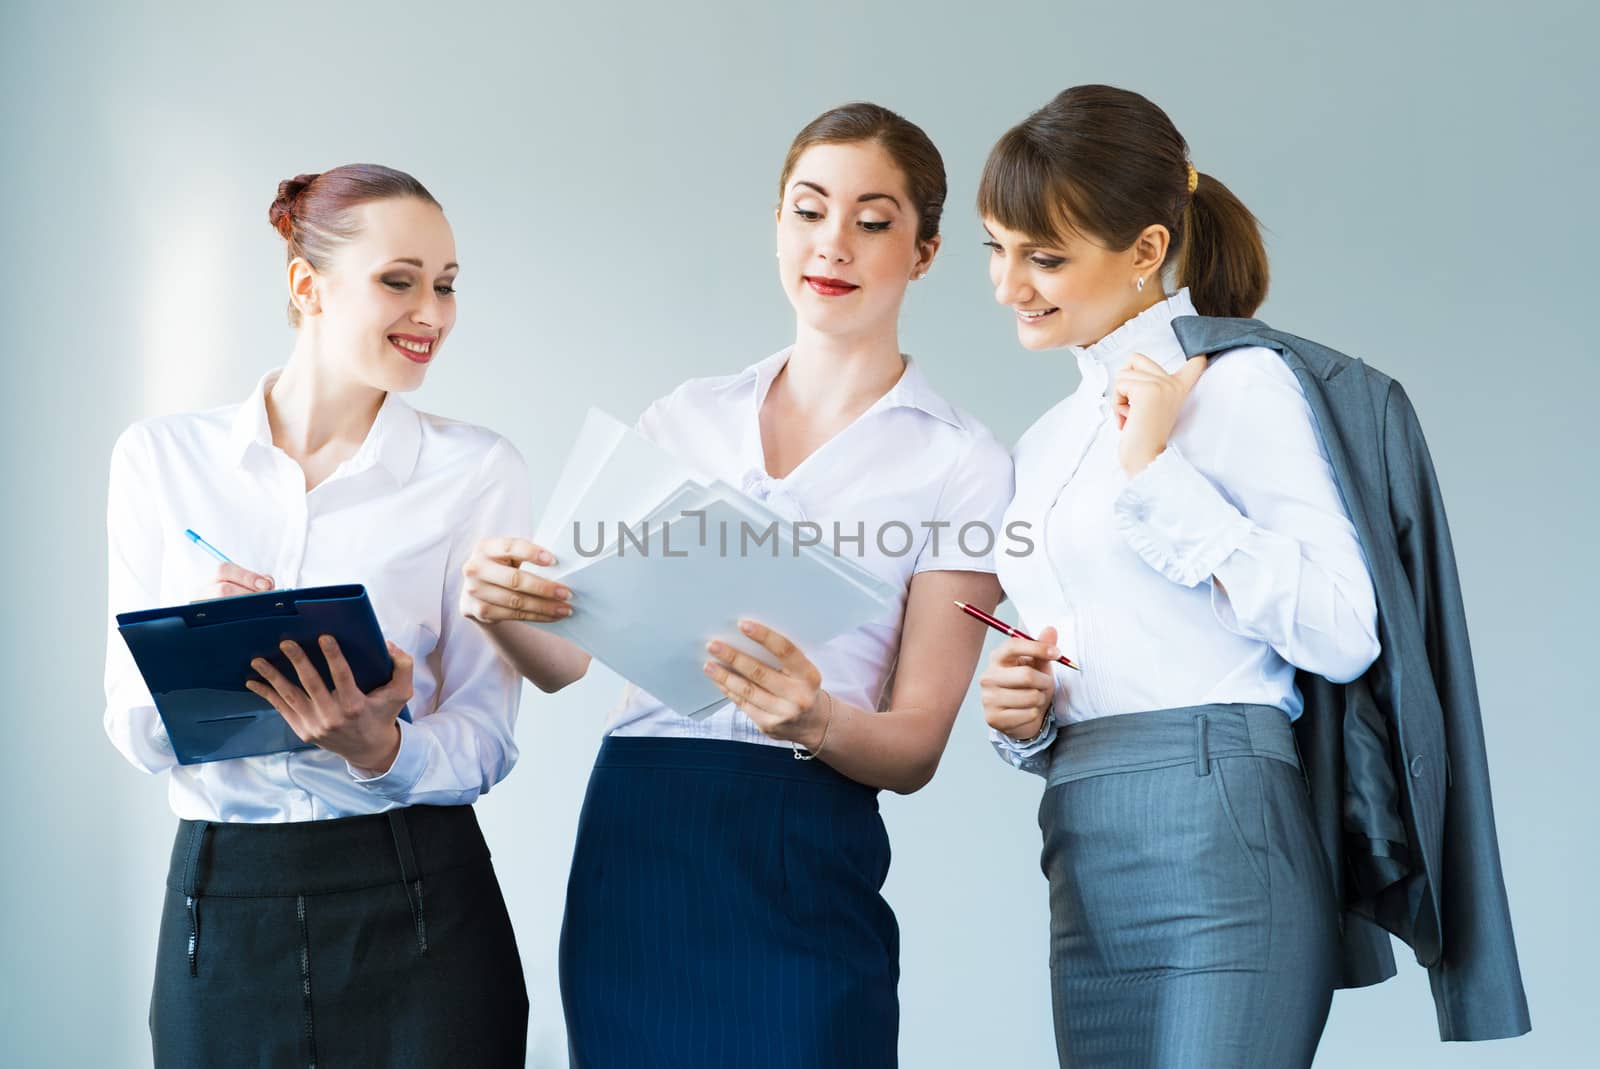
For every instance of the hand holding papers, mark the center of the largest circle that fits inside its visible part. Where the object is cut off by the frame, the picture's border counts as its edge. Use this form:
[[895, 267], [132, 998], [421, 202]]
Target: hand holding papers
[[663, 560]]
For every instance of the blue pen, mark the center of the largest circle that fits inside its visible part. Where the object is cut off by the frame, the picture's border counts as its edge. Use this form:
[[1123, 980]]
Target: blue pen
[[207, 546]]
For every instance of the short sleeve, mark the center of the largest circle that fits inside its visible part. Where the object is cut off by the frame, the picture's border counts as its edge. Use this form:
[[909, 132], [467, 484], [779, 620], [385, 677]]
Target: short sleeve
[[965, 528], [653, 419]]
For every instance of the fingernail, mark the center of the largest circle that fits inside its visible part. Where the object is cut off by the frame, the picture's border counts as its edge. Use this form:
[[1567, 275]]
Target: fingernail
[[545, 558], [1052, 653], [262, 584], [326, 640], [564, 594], [747, 627], [566, 610], [714, 647], [706, 668]]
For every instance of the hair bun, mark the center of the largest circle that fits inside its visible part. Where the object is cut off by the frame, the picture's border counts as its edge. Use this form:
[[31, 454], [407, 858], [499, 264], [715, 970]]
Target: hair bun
[[280, 214]]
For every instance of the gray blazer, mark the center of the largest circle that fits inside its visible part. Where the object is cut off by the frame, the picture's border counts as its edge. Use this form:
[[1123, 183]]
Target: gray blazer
[[1395, 760]]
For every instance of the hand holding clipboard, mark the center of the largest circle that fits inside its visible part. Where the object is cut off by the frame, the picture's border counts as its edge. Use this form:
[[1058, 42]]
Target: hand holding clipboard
[[324, 674]]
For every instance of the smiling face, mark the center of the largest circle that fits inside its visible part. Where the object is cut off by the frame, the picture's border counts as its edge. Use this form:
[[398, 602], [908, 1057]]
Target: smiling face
[[847, 239], [386, 300], [1071, 290]]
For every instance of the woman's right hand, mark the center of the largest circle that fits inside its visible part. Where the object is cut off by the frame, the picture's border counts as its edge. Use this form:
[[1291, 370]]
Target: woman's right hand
[[1019, 687], [498, 589], [230, 581]]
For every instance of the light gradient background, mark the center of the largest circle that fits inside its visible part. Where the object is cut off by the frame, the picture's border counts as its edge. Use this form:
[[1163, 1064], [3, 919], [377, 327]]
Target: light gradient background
[[1425, 171]]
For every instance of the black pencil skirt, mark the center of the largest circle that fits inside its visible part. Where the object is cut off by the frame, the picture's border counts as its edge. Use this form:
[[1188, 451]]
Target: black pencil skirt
[[364, 941]]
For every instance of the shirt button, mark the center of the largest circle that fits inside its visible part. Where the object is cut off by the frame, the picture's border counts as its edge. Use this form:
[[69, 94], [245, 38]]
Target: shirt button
[[1416, 767], [1141, 511]]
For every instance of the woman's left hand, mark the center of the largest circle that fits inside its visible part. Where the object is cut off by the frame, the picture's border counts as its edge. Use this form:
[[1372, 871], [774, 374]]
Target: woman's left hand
[[783, 700], [1147, 401], [361, 728]]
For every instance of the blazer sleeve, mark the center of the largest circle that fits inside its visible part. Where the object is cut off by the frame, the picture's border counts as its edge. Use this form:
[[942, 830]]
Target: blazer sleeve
[[1477, 983]]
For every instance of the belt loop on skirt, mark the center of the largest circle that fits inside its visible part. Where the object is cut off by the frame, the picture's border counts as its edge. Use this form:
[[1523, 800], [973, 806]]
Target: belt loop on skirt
[[191, 891], [1202, 746], [409, 876]]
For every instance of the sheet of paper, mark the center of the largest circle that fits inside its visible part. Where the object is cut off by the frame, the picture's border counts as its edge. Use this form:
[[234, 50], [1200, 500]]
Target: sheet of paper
[[648, 615], [759, 516], [613, 475]]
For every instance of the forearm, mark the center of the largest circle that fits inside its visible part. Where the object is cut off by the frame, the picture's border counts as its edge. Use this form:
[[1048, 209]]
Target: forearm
[[1295, 580], [1316, 617], [137, 733], [449, 758], [896, 749], [899, 748], [545, 660]]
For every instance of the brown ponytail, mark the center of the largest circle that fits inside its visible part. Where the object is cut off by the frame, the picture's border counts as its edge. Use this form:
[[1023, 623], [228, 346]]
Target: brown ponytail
[[1106, 163], [1222, 259]]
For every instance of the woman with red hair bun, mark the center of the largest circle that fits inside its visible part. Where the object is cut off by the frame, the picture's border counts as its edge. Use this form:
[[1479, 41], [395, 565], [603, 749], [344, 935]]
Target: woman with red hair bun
[[334, 904]]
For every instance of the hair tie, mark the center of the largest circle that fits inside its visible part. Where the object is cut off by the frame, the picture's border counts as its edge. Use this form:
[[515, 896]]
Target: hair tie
[[1194, 177]]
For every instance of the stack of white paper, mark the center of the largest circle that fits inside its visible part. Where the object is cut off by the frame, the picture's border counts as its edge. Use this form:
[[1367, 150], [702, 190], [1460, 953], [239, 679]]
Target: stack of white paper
[[662, 559]]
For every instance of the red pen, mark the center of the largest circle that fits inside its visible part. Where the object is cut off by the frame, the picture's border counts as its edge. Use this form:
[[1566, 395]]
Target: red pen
[[1005, 629]]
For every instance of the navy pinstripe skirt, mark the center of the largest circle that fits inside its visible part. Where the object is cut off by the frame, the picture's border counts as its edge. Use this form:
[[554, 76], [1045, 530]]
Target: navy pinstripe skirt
[[723, 910]]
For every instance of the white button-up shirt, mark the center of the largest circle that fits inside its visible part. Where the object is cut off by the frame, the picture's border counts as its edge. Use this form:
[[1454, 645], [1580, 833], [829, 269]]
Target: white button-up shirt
[[400, 516], [909, 474], [1215, 573]]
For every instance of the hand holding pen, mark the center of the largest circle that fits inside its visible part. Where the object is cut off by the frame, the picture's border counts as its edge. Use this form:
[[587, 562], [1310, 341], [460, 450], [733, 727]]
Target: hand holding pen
[[229, 580], [1006, 629], [1019, 689]]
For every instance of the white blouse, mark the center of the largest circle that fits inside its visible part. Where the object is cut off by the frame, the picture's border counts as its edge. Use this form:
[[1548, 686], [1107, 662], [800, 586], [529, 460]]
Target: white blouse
[[1214, 574], [912, 469], [400, 516]]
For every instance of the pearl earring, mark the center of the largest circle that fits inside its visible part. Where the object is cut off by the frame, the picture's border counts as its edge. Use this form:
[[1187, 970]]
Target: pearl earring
[[1139, 284]]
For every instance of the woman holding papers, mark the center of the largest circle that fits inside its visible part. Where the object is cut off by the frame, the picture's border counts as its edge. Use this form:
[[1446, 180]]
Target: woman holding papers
[[723, 906], [1195, 554], [336, 904]]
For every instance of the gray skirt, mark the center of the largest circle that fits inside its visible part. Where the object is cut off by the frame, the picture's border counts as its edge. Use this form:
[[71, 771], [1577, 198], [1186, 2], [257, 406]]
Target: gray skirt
[[1192, 916]]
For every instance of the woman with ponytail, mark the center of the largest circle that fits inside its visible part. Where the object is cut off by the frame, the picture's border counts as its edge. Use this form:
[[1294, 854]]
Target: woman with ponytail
[[1194, 554], [334, 905]]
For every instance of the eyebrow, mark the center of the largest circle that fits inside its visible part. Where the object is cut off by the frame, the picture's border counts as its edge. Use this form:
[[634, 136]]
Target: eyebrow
[[414, 262], [859, 200]]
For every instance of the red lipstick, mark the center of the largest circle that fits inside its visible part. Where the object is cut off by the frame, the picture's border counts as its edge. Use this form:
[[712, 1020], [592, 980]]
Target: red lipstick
[[422, 340], [830, 287]]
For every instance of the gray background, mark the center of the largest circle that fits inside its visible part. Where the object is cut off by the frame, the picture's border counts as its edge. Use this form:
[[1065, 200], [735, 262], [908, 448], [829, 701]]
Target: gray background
[[1426, 172]]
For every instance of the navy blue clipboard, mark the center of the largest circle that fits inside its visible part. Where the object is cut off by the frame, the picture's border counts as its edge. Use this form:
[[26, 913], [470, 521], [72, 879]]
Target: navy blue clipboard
[[195, 659]]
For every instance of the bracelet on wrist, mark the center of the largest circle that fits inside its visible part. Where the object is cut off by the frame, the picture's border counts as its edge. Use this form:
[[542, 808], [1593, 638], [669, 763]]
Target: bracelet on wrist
[[803, 754], [1044, 725]]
